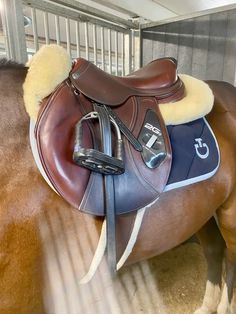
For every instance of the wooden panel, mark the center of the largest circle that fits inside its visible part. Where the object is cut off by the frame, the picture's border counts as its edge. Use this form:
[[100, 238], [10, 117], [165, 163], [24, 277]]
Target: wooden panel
[[185, 43], [205, 46], [200, 46], [230, 49], [147, 46], [159, 42], [172, 40], [216, 47]]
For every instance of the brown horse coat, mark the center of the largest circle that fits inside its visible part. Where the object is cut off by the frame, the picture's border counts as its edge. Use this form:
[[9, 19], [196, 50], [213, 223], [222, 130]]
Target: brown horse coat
[[38, 226]]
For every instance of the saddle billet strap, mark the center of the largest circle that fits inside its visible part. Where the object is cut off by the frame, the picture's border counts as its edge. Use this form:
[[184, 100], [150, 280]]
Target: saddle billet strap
[[109, 191]]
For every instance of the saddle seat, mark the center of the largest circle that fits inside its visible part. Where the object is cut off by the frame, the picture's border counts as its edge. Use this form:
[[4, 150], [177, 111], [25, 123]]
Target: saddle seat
[[160, 73], [158, 78]]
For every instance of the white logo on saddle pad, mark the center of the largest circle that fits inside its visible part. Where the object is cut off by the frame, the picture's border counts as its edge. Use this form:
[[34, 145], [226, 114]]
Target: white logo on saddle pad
[[203, 148]]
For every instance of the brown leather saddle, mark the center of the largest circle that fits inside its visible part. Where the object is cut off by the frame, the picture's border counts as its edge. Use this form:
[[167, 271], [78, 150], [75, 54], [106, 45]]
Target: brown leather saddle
[[84, 118]]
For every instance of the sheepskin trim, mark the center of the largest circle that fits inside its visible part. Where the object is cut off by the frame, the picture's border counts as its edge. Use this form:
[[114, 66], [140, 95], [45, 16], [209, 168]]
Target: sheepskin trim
[[51, 65], [47, 68], [198, 102]]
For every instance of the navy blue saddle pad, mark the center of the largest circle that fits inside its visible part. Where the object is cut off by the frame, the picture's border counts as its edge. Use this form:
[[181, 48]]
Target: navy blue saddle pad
[[195, 152]]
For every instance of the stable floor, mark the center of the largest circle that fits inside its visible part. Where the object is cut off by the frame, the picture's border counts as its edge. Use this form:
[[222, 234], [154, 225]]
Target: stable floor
[[173, 283]]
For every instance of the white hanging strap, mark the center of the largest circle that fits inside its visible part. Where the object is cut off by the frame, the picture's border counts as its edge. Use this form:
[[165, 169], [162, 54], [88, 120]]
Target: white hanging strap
[[97, 258]]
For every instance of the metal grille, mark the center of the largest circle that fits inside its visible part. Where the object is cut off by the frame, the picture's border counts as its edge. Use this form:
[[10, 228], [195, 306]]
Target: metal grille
[[3, 52], [103, 46], [110, 45]]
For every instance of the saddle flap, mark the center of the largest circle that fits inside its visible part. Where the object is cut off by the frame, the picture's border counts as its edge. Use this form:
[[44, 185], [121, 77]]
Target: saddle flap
[[55, 134], [159, 79]]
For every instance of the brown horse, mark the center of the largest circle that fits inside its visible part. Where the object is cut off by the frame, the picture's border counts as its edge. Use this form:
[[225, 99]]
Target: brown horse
[[47, 246]]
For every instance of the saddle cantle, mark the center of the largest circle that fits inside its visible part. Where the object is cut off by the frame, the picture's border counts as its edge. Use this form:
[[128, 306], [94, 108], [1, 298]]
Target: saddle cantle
[[130, 98]]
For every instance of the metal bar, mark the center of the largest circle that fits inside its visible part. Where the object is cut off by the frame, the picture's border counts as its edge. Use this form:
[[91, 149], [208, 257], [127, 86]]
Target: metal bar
[[128, 52], [123, 53], [77, 34], [46, 28], [6, 31], [116, 53], [66, 12], [189, 16], [132, 49], [13, 29], [109, 51], [137, 49], [57, 29], [35, 30], [102, 49], [95, 44], [86, 40], [95, 12], [117, 8], [68, 41]]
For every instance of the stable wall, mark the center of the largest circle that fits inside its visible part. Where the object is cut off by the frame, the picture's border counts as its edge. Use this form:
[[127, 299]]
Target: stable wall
[[205, 47]]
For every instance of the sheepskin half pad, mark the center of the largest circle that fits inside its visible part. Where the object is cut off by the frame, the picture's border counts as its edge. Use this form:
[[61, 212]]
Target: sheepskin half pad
[[51, 65]]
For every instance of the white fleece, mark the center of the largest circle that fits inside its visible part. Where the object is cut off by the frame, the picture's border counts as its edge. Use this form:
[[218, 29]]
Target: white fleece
[[47, 69], [51, 65]]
